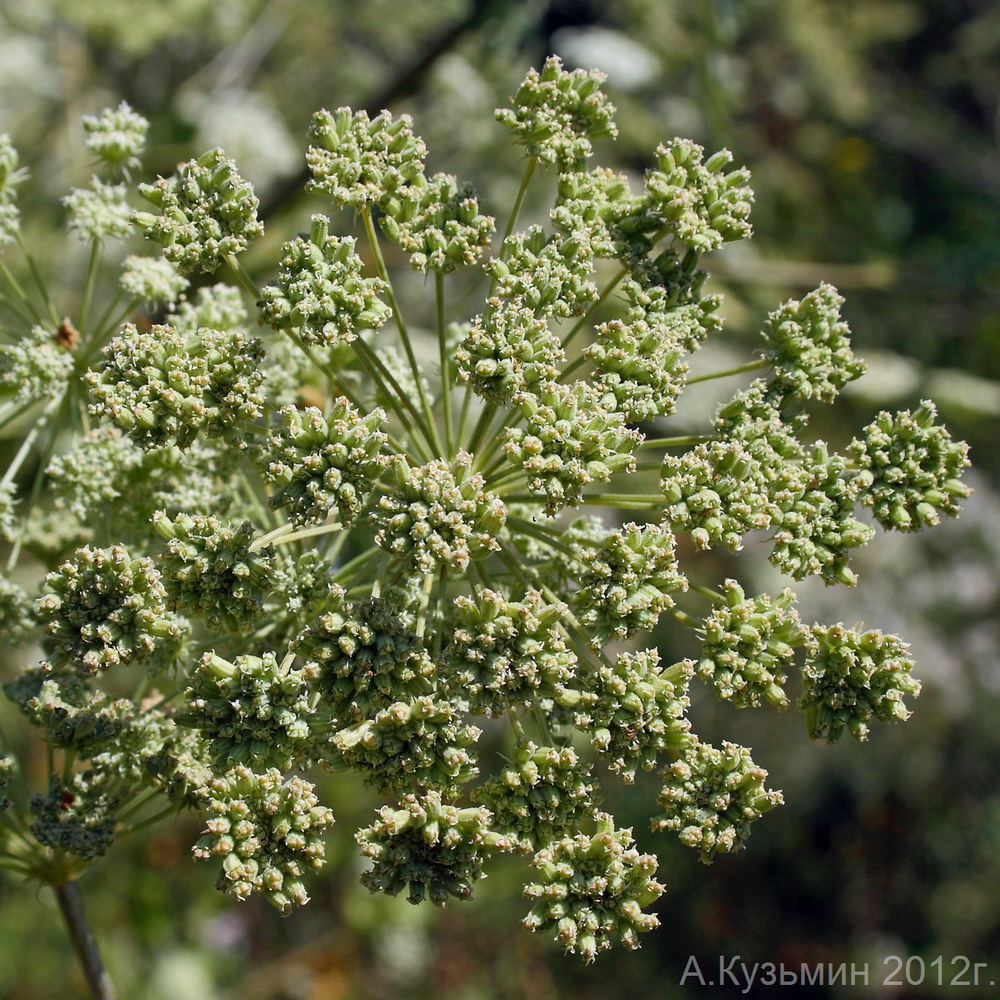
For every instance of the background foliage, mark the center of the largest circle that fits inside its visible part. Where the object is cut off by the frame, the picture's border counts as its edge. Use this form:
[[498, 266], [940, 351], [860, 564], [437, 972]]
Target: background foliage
[[871, 132]]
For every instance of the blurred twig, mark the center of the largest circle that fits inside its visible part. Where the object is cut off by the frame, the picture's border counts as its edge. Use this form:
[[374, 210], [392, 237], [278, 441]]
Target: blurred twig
[[405, 81]]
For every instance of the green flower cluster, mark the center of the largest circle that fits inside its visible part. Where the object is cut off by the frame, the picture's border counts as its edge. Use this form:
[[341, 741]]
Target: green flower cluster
[[38, 367], [116, 136], [152, 280], [556, 114], [423, 741], [439, 515], [253, 711], [91, 472], [626, 582], [543, 793], [358, 161], [321, 291], [322, 464], [99, 212], [809, 347], [711, 797], [504, 653], [10, 176], [570, 439], [164, 387], [852, 678], [702, 205], [910, 468], [749, 646], [370, 534], [368, 654], [267, 830], [103, 608], [210, 569], [438, 223], [207, 213], [428, 847], [591, 890], [508, 351], [68, 710], [635, 710]]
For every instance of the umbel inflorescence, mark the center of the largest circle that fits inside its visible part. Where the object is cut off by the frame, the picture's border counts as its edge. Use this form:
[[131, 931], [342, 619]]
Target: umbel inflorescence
[[431, 558]]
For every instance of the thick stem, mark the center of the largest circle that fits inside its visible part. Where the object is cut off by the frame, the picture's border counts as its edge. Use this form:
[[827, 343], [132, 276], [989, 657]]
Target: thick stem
[[68, 894]]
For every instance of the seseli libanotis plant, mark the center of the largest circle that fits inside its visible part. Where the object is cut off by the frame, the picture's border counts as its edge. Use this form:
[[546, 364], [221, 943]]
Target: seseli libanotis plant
[[281, 533]]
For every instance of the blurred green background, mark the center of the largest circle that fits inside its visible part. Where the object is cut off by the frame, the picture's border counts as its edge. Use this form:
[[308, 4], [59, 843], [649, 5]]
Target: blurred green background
[[871, 131]]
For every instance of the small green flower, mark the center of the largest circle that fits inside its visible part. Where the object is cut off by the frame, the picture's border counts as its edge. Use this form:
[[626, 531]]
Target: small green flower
[[209, 569], [217, 307], [852, 677], [253, 710], [505, 653], [99, 212], [368, 654], [636, 710], [717, 492], [548, 275], [544, 793], [207, 212], [37, 367], [508, 350], [94, 471], [162, 386], [422, 741], [556, 114], [592, 890], [809, 346], [16, 611], [816, 527], [910, 468], [77, 815], [11, 175], [570, 439], [72, 714], [600, 205], [152, 280], [749, 646], [626, 582]]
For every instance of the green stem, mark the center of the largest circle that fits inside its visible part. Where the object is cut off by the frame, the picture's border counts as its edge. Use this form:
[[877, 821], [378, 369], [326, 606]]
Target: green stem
[[445, 361], [28, 442], [707, 592], [284, 534], [582, 321], [82, 938], [750, 366], [88, 282], [684, 618], [433, 438], [515, 211], [682, 441], [242, 275], [37, 278], [20, 293], [384, 378]]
